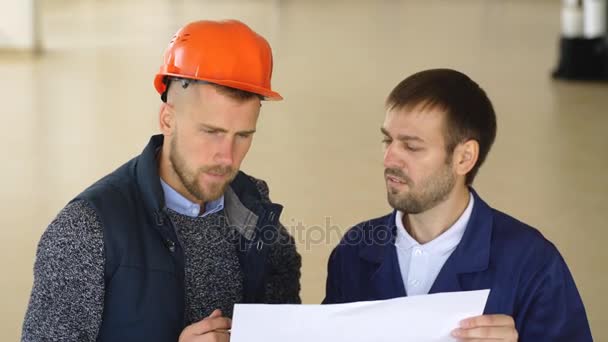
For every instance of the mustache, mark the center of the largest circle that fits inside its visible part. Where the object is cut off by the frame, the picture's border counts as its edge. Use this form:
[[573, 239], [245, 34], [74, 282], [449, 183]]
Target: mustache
[[218, 169], [397, 174]]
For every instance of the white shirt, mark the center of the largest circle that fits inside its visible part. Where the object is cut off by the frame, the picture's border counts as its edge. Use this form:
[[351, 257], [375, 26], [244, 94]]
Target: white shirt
[[420, 264]]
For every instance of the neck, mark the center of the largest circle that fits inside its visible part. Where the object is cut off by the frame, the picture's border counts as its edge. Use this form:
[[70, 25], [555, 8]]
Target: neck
[[168, 175], [428, 225]]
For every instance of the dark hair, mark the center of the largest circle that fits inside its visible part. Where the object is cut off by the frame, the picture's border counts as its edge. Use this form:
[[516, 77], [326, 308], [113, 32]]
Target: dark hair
[[469, 112]]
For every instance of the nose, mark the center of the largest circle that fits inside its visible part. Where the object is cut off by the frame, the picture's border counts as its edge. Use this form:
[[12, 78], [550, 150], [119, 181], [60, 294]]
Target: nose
[[225, 152], [391, 159]]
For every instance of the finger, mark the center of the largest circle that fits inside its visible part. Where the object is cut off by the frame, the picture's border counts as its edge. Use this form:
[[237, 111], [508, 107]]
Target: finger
[[215, 313], [212, 337], [487, 320], [210, 324], [489, 333], [222, 331]]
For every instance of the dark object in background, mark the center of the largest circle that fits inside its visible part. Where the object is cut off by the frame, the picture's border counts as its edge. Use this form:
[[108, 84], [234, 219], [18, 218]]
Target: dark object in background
[[582, 59], [583, 46]]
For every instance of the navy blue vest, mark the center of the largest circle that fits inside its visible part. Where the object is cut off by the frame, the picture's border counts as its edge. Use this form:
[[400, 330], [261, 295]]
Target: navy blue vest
[[144, 262]]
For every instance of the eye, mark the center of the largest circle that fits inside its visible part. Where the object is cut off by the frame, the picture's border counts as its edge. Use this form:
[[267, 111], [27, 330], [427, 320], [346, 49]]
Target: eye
[[386, 141], [413, 148], [210, 131], [244, 135]]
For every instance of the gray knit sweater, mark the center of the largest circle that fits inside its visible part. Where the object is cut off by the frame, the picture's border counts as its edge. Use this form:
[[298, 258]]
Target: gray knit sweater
[[68, 292]]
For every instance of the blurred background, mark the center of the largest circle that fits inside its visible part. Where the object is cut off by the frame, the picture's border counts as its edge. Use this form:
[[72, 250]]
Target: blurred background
[[78, 101]]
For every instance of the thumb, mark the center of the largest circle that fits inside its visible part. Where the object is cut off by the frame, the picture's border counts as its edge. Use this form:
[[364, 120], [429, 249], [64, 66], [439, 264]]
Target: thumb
[[216, 313]]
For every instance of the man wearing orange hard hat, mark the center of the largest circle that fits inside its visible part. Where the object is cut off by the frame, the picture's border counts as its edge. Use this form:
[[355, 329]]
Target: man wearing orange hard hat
[[163, 247]]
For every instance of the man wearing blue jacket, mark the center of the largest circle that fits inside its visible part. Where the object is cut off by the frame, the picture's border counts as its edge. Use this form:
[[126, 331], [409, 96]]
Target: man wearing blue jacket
[[442, 237]]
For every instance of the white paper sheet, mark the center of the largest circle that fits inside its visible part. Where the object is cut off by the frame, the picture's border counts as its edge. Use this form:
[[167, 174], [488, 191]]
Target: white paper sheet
[[428, 318]]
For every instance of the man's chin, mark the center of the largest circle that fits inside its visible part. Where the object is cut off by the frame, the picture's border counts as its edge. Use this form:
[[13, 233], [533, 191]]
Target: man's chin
[[214, 186], [392, 200], [214, 191], [395, 193]]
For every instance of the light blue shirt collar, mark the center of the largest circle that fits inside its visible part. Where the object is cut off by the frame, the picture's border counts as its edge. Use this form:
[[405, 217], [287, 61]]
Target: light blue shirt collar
[[180, 204]]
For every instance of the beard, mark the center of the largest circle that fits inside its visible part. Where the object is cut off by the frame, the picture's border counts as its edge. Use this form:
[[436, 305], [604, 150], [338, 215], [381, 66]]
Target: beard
[[422, 196], [191, 181]]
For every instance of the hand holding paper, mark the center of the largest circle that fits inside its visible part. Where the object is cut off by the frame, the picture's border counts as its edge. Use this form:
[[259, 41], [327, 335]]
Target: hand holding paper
[[490, 327]]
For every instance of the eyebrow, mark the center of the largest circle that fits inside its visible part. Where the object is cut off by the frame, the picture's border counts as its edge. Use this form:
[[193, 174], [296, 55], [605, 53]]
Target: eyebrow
[[402, 137], [222, 130]]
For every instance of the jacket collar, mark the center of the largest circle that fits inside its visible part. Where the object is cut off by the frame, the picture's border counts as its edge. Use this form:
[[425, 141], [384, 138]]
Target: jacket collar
[[471, 255], [244, 204], [148, 178]]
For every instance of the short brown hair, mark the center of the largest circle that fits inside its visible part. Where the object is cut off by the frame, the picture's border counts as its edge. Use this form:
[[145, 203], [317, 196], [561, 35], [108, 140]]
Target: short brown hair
[[469, 112]]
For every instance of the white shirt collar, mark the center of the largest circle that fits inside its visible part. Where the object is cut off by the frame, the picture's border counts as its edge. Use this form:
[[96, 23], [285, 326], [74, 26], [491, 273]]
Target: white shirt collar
[[444, 243]]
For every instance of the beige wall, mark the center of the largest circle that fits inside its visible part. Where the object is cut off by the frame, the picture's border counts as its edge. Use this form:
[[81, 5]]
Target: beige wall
[[88, 104]]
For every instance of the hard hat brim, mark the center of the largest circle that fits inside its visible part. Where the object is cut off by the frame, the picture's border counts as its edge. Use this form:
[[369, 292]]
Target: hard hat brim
[[268, 94]]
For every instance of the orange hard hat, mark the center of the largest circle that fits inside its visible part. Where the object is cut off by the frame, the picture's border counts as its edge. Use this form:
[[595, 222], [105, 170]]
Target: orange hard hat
[[227, 53]]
